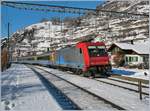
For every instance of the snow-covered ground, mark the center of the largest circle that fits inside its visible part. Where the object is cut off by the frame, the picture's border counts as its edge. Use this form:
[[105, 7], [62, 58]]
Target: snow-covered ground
[[138, 73], [122, 97], [23, 91]]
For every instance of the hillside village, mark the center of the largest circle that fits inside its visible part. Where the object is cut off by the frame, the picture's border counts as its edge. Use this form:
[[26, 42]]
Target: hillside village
[[52, 35]]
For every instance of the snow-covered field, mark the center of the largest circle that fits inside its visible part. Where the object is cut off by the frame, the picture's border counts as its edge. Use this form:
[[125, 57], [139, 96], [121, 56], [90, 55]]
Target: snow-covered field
[[23, 91]]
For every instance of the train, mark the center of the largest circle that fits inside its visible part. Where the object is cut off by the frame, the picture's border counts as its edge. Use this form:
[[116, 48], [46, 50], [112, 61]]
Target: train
[[83, 57]]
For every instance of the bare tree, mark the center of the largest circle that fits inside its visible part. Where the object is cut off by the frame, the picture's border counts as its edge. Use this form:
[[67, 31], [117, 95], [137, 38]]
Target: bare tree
[[44, 20], [56, 20], [69, 21]]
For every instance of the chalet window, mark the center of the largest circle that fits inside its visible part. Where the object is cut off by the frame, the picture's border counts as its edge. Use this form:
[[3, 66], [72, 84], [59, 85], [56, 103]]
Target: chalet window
[[116, 49], [136, 59], [130, 59]]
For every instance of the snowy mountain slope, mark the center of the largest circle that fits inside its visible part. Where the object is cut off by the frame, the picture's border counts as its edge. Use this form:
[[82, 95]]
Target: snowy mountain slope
[[46, 36]]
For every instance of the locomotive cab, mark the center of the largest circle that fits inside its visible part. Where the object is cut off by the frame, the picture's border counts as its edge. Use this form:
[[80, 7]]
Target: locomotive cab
[[95, 56]]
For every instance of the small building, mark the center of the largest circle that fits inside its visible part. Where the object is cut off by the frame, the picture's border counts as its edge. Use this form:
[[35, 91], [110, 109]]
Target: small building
[[125, 54]]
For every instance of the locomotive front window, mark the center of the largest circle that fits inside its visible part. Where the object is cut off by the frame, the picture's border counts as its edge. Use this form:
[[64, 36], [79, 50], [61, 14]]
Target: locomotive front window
[[97, 51]]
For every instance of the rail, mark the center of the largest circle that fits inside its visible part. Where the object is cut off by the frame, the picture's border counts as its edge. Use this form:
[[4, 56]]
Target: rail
[[138, 80], [65, 102], [91, 93]]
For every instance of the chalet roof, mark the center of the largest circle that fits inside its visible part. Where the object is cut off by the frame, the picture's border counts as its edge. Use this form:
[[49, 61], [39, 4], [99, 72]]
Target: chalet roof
[[140, 48]]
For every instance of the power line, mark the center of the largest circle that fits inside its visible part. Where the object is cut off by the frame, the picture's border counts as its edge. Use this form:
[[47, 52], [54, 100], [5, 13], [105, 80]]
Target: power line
[[66, 9]]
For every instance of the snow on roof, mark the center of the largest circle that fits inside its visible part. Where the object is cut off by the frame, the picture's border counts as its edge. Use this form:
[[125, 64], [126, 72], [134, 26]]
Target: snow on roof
[[140, 48], [124, 46]]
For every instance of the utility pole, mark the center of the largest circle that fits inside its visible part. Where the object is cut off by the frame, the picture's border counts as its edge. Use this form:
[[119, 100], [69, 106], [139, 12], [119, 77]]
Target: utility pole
[[8, 34], [8, 44], [49, 48]]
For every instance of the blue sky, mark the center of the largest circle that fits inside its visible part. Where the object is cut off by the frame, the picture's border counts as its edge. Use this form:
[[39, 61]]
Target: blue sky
[[19, 19]]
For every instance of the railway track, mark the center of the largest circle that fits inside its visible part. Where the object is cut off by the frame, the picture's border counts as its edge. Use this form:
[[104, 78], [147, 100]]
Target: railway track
[[127, 82], [82, 98], [124, 84], [65, 102], [129, 85]]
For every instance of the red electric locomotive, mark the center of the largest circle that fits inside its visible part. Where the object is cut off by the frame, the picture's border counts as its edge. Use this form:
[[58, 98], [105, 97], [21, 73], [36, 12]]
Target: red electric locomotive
[[86, 57], [95, 56]]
